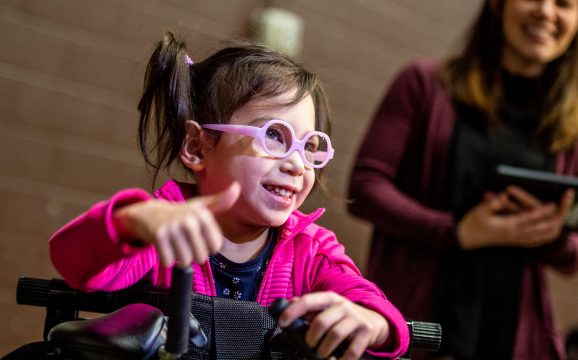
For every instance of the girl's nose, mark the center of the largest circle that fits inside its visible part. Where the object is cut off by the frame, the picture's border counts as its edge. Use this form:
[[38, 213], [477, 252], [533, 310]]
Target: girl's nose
[[293, 164]]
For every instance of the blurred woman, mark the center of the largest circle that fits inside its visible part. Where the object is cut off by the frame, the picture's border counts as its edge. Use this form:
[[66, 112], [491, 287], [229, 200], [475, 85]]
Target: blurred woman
[[446, 245]]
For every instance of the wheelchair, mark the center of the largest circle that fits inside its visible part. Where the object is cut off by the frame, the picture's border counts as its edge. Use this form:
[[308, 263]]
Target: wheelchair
[[148, 322]]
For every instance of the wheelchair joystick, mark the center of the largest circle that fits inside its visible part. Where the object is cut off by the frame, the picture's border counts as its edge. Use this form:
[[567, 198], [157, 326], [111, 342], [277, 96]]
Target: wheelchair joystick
[[296, 333], [182, 326]]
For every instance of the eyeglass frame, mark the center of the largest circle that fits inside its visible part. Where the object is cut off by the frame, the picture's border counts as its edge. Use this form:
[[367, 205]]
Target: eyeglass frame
[[259, 133]]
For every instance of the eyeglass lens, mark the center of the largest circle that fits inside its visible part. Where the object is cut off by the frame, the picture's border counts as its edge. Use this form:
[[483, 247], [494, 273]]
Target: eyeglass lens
[[278, 141]]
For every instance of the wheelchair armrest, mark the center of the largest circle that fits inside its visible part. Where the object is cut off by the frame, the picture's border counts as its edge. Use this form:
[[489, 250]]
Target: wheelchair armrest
[[135, 331], [63, 303]]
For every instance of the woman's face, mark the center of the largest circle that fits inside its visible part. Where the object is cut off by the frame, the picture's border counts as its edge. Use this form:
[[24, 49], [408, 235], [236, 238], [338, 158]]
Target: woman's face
[[536, 32]]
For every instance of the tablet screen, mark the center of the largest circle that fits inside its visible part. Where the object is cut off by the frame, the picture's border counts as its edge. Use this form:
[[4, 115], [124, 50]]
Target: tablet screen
[[546, 186]]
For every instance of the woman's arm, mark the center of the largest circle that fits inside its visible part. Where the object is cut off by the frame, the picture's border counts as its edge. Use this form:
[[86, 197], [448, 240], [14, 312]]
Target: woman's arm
[[373, 189]]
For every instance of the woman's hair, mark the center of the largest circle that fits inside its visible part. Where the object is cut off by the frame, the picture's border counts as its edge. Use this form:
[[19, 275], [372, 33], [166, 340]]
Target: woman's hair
[[210, 91], [473, 78]]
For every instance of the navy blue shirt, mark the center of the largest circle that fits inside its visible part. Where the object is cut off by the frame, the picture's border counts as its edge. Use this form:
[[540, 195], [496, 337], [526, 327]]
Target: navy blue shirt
[[241, 281]]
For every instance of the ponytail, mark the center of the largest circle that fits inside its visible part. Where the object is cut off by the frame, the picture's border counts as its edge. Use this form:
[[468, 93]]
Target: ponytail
[[165, 104]]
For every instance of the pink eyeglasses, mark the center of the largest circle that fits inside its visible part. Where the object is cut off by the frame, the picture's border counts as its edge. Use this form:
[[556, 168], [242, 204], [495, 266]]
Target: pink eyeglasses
[[277, 138]]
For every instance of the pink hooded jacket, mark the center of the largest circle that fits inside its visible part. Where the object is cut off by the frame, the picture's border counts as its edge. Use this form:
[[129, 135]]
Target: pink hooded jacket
[[91, 256]]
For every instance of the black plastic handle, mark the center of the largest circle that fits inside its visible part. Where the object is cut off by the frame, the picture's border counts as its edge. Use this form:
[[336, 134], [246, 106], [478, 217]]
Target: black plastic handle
[[296, 332], [179, 309]]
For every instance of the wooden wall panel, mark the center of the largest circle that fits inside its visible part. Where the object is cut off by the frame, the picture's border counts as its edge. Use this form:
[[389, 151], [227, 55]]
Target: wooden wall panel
[[87, 114], [70, 76]]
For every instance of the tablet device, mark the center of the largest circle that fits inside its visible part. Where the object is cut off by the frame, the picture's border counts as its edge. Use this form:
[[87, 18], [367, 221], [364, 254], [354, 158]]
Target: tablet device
[[546, 186]]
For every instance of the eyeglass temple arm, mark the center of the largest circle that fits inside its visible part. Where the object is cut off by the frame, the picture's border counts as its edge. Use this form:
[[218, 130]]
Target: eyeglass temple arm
[[232, 128], [320, 155]]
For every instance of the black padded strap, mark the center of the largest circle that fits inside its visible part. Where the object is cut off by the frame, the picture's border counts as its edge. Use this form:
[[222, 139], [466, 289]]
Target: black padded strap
[[238, 329], [202, 308]]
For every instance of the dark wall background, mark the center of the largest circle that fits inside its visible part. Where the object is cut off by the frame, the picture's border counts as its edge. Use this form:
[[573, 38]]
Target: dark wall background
[[70, 77]]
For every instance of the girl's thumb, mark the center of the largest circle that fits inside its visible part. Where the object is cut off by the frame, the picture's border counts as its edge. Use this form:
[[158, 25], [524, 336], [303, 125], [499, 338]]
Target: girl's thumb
[[224, 200]]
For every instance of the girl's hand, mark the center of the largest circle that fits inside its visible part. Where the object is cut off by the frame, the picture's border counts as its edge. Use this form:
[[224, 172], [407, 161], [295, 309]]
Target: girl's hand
[[186, 232], [513, 218], [334, 319]]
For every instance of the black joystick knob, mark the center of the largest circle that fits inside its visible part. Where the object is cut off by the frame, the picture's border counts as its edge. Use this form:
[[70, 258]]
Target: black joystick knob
[[296, 333]]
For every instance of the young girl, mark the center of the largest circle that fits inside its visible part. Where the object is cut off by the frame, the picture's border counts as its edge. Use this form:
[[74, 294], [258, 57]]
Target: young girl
[[247, 122]]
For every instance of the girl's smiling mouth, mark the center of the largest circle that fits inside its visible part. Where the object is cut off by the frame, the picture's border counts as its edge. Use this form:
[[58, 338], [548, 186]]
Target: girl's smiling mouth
[[281, 191]]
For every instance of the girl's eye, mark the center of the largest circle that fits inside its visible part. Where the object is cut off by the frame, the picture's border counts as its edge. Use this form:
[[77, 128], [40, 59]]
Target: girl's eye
[[312, 144], [274, 134]]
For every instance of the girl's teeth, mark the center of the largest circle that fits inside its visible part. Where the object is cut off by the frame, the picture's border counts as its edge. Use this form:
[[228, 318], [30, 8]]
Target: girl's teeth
[[279, 191]]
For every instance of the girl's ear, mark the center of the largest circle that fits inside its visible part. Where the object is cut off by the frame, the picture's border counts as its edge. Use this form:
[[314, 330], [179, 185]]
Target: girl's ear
[[191, 151]]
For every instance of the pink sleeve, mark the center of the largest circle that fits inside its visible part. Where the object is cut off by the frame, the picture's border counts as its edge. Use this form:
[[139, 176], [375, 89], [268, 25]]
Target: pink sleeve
[[90, 255], [333, 270]]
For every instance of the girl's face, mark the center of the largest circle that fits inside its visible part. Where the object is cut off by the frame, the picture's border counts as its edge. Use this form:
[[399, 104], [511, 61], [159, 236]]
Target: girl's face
[[270, 188], [536, 32]]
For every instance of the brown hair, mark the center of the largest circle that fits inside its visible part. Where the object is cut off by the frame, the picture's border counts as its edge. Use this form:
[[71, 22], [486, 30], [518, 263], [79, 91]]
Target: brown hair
[[472, 78], [210, 91]]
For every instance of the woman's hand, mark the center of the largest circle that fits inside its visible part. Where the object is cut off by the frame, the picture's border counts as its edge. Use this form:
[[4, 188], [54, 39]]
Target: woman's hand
[[186, 232], [333, 319], [513, 218]]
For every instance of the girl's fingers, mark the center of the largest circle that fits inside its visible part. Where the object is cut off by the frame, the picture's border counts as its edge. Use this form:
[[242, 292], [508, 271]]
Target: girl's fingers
[[180, 244], [322, 323], [357, 346], [336, 335], [196, 242], [210, 231], [192, 237], [185, 231], [164, 250], [307, 303], [338, 319]]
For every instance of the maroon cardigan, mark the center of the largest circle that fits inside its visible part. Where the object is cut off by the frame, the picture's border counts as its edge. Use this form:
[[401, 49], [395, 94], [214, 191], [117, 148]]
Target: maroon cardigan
[[398, 184]]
